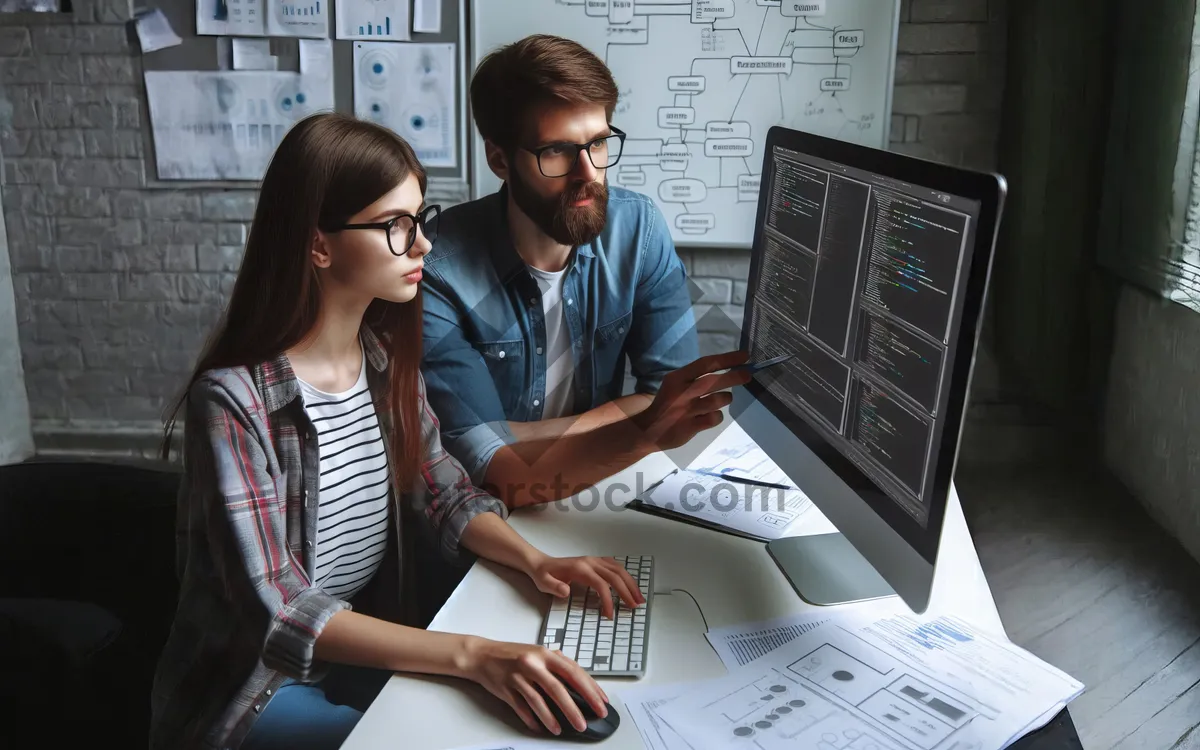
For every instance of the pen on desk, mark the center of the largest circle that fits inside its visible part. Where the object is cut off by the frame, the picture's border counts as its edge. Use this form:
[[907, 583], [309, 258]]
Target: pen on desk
[[743, 480]]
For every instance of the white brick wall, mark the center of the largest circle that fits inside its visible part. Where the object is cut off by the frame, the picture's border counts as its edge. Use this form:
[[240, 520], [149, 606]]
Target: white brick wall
[[117, 278]]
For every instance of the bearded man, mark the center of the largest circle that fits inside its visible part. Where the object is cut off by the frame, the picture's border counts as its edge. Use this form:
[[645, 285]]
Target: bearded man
[[538, 296]]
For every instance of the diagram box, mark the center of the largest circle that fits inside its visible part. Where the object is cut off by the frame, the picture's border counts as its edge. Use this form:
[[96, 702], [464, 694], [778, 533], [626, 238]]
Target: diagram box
[[835, 84], [747, 187], [741, 65], [707, 11], [735, 147], [722, 129], [631, 178], [674, 157], [688, 84], [682, 190], [596, 8], [620, 11], [672, 117], [795, 8], [695, 222], [850, 39]]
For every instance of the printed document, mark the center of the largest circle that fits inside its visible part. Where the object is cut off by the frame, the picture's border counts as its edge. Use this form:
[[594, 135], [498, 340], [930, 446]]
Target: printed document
[[764, 512], [891, 683], [735, 453]]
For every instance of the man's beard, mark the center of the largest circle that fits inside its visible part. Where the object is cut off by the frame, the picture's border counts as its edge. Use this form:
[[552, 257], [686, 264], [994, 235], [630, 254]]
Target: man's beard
[[563, 222]]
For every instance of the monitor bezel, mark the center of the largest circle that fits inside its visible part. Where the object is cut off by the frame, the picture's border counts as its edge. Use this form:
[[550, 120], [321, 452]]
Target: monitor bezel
[[989, 190]]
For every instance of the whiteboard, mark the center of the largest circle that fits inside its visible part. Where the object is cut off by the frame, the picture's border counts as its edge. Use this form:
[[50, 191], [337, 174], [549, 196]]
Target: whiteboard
[[701, 82]]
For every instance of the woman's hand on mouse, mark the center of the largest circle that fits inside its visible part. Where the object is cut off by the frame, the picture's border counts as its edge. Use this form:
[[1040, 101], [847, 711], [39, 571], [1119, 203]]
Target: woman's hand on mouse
[[554, 575], [513, 671]]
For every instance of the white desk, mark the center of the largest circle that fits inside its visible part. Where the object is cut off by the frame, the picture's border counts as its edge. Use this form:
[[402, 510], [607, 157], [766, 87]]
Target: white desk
[[733, 579]]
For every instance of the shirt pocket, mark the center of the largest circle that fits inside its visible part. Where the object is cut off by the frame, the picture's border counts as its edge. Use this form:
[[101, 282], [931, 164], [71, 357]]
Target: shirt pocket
[[505, 361], [608, 356]]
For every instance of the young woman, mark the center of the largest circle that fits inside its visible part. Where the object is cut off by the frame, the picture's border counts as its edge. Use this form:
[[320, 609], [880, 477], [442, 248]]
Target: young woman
[[311, 456]]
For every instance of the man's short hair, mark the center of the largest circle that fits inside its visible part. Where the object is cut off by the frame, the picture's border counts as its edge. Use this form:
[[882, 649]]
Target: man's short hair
[[514, 79]]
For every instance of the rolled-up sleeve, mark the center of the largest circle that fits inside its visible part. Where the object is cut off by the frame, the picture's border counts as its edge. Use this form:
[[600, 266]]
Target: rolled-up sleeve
[[461, 390], [247, 532], [662, 334], [445, 495]]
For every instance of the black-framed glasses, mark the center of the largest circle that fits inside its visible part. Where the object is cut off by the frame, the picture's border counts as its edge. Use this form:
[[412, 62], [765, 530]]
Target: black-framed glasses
[[403, 228], [558, 159]]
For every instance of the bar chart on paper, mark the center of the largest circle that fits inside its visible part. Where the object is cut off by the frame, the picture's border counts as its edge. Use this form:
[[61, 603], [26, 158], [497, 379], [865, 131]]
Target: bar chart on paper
[[373, 20], [230, 17], [225, 125], [304, 18]]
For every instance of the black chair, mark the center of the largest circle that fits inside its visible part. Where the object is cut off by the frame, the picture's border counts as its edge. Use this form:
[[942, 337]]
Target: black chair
[[87, 597]]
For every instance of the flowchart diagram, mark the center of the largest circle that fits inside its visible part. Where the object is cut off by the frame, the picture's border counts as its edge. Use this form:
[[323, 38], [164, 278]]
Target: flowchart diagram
[[702, 81]]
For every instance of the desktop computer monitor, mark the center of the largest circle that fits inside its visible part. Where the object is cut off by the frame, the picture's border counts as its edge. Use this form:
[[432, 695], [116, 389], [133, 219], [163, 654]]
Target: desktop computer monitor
[[870, 268]]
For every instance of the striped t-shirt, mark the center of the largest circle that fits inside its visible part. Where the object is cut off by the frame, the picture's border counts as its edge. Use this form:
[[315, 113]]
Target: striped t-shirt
[[352, 520]]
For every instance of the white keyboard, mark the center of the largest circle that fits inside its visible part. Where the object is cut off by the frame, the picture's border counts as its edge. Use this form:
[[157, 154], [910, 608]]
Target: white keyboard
[[602, 646]]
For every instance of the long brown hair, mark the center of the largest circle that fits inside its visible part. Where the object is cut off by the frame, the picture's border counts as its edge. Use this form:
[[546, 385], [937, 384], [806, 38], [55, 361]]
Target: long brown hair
[[326, 169]]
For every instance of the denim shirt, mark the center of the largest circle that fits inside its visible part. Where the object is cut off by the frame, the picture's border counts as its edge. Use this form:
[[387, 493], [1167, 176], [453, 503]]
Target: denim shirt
[[626, 297]]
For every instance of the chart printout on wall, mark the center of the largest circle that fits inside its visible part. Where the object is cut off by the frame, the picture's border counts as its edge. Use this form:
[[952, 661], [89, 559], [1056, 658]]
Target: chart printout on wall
[[225, 125], [303, 18], [374, 20], [410, 89], [702, 81]]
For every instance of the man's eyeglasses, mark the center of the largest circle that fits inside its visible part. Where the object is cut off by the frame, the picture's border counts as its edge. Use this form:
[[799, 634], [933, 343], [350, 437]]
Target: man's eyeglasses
[[558, 159], [402, 230]]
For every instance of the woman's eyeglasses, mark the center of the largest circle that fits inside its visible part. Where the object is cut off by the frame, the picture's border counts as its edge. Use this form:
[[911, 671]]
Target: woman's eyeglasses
[[402, 230]]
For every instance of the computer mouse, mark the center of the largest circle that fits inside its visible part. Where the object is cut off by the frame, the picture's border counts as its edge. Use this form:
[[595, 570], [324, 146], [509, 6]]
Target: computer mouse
[[597, 728]]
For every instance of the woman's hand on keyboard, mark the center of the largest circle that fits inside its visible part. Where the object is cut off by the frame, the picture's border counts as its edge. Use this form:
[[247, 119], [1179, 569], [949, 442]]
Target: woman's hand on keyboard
[[513, 672], [554, 576]]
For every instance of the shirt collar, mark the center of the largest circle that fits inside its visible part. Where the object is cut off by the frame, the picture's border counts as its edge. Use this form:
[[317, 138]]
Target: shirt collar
[[507, 261], [277, 381]]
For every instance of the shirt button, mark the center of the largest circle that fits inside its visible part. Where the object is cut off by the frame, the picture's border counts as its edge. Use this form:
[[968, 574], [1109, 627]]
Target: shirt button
[[257, 707], [621, 329], [308, 544], [570, 302], [501, 355], [268, 692], [536, 402], [533, 300], [539, 350]]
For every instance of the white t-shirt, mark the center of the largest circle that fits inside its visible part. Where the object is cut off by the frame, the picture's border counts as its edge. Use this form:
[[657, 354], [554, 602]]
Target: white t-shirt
[[560, 362], [352, 516]]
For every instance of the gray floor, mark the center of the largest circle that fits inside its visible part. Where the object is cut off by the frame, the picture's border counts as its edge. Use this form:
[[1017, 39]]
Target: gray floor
[[1086, 581]]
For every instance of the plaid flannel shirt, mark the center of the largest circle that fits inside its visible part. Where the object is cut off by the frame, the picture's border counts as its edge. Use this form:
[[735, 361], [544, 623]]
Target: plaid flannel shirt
[[248, 615]]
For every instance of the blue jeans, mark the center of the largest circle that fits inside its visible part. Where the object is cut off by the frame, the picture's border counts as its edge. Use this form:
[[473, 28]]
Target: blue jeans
[[319, 716]]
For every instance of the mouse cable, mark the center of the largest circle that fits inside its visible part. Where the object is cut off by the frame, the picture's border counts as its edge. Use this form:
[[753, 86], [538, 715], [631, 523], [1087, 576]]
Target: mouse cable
[[685, 591]]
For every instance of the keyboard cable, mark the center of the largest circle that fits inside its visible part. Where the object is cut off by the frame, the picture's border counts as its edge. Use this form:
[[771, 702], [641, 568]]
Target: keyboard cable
[[685, 591]]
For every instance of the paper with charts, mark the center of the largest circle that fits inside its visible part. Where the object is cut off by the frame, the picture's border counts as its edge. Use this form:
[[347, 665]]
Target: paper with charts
[[410, 89], [701, 82], [376, 20], [304, 18], [225, 125], [859, 683], [230, 17]]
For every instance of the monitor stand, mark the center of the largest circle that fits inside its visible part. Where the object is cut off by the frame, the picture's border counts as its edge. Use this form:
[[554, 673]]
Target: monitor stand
[[825, 569]]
